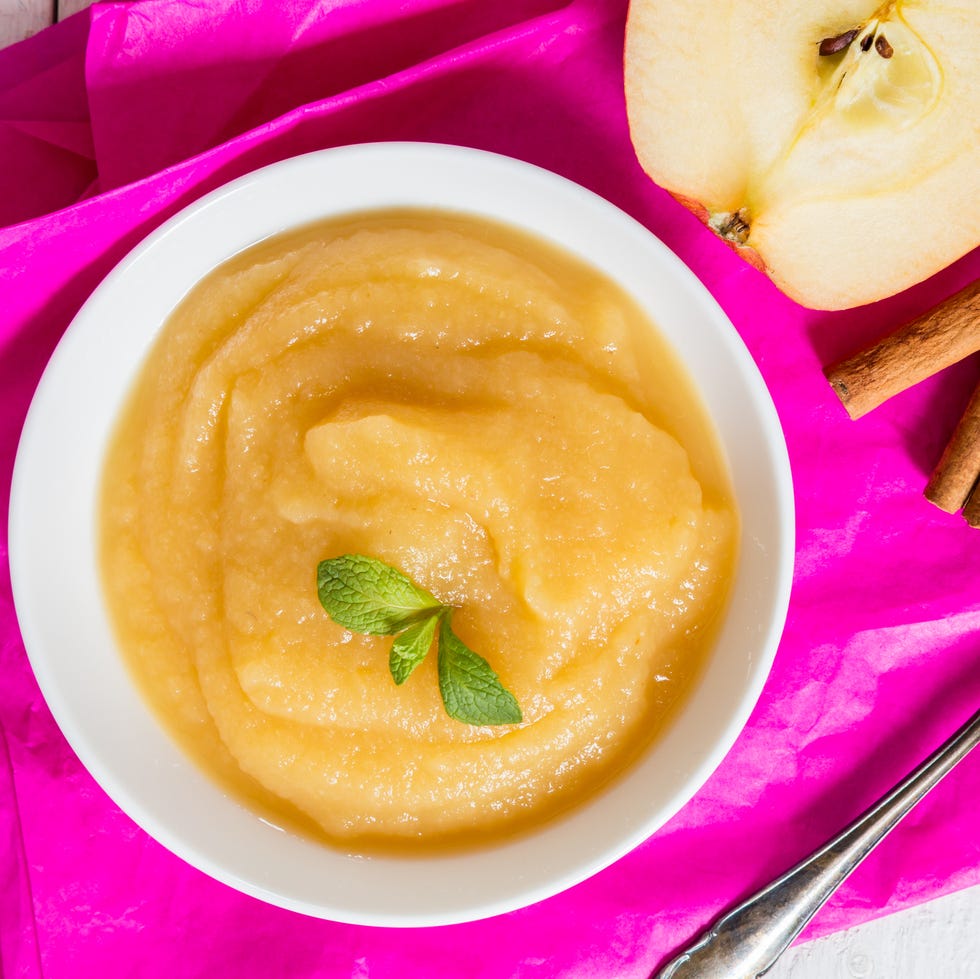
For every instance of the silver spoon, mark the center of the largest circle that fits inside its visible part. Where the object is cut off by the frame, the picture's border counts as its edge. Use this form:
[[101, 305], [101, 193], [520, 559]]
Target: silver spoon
[[748, 940]]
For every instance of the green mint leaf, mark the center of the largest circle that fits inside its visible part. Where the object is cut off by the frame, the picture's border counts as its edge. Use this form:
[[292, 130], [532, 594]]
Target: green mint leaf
[[471, 691], [410, 647], [367, 595]]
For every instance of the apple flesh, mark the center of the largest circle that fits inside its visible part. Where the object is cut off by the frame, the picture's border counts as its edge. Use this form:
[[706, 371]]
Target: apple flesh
[[834, 144]]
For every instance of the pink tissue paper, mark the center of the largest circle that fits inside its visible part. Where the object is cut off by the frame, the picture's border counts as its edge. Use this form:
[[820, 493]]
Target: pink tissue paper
[[115, 119]]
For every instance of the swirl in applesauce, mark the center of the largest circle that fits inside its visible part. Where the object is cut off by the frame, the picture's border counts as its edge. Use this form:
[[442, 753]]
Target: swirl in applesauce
[[472, 406]]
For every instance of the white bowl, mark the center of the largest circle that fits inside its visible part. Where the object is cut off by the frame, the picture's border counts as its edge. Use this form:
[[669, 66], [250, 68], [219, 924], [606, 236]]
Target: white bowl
[[68, 635]]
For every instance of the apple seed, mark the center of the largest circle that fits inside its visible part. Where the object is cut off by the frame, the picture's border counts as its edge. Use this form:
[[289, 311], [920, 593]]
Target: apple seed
[[867, 41], [834, 45], [883, 47]]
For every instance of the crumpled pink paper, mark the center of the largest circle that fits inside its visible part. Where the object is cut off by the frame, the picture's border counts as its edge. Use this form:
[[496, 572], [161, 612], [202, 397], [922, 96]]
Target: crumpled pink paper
[[115, 119]]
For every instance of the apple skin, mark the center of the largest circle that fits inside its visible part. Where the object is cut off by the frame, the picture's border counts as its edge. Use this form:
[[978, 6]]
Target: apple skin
[[846, 176]]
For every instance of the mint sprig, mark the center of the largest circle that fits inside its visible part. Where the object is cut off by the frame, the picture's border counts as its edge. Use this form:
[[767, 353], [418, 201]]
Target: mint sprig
[[470, 689], [366, 595], [410, 647]]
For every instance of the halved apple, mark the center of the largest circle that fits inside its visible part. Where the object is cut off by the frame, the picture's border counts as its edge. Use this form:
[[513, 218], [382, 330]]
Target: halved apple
[[835, 144]]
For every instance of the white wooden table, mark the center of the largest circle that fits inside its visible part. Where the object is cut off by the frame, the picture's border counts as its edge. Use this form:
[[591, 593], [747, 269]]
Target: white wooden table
[[938, 940], [21, 18]]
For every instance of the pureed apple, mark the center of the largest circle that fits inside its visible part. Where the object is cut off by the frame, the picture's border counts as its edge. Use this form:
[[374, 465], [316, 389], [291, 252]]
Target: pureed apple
[[465, 404]]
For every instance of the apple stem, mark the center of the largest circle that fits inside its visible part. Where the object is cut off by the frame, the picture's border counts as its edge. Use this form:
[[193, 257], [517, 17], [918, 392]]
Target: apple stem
[[732, 227]]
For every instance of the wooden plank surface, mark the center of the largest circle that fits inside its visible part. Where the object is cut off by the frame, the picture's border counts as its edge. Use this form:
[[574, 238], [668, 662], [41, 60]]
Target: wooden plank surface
[[22, 18], [68, 7]]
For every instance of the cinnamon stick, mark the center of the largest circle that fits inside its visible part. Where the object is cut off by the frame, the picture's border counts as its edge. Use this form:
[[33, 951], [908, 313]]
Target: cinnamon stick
[[957, 472], [912, 353], [971, 512]]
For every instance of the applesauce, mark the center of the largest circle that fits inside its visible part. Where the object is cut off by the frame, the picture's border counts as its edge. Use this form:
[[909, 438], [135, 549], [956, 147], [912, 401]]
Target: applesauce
[[472, 406]]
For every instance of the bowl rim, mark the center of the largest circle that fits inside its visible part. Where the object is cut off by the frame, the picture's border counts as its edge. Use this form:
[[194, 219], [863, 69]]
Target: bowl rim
[[458, 887]]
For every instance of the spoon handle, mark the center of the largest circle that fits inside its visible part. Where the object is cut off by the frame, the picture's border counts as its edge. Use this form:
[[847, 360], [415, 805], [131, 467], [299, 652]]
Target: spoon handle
[[746, 942]]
